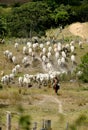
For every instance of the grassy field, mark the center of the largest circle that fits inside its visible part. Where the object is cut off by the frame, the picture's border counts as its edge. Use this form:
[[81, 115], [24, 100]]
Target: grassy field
[[67, 111], [66, 107]]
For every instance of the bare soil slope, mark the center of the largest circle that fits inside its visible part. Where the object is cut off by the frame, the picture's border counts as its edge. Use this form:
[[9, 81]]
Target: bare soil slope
[[73, 30], [79, 29]]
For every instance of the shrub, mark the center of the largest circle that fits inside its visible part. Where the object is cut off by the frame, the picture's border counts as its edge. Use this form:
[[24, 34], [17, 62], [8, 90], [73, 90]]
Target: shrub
[[84, 68]]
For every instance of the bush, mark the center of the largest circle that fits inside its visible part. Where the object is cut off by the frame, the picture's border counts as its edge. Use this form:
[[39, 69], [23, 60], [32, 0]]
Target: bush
[[65, 77], [80, 122], [4, 5], [83, 67], [24, 122]]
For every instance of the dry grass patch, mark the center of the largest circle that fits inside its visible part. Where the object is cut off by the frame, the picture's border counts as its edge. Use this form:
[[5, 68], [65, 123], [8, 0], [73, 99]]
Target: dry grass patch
[[41, 104]]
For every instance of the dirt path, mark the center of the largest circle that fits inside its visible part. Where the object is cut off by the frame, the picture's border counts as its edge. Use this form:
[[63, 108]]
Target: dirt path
[[49, 99]]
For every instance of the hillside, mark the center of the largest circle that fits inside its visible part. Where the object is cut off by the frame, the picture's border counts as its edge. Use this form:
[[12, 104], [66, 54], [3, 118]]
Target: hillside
[[63, 109], [79, 29], [74, 30], [69, 33]]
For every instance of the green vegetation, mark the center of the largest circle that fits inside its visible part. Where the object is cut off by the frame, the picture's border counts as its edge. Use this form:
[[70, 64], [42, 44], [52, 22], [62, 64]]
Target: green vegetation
[[24, 120], [83, 67], [33, 18], [80, 122]]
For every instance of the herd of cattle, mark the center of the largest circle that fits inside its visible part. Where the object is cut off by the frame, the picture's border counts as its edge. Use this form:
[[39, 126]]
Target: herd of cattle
[[54, 59]]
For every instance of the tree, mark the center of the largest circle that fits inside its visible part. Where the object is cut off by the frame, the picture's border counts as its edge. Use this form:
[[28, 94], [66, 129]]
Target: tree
[[33, 16], [3, 27], [61, 15]]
